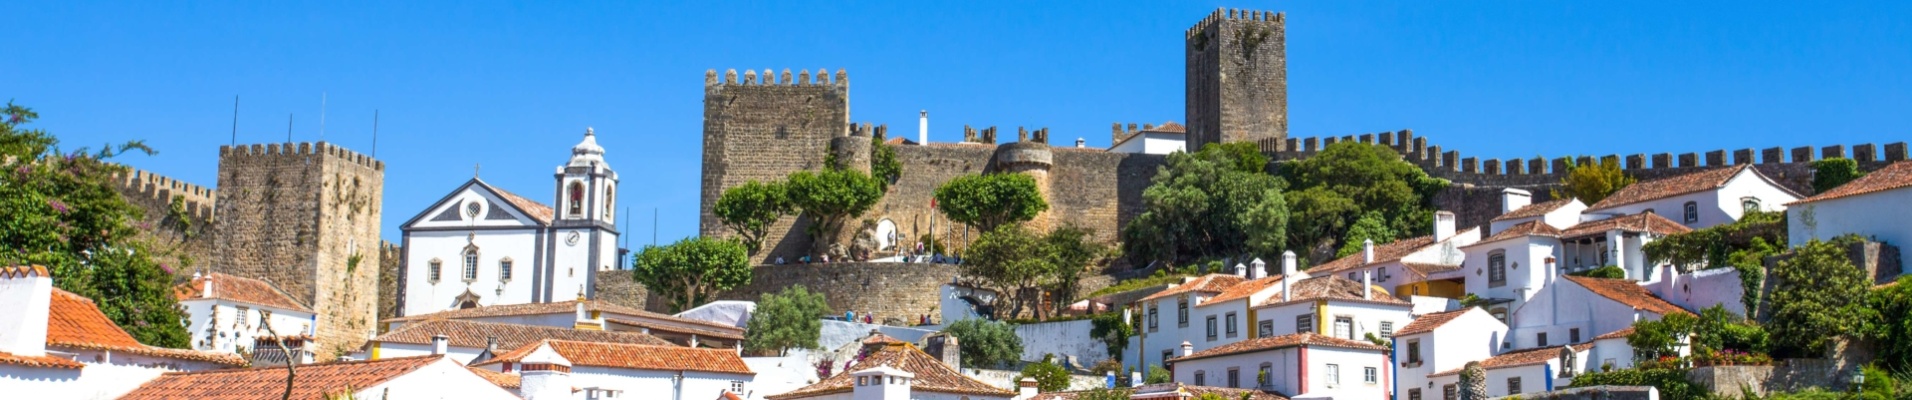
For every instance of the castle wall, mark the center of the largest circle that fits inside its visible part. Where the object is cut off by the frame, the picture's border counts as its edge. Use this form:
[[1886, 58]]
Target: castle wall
[[155, 194], [763, 132], [902, 291], [1237, 78]]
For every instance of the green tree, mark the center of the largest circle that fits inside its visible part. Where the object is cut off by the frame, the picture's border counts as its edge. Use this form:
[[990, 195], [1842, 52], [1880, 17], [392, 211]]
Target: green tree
[[63, 211], [1893, 332], [790, 318], [1012, 261], [692, 271], [1592, 181], [1156, 375], [1607, 272], [986, 344], [1832, 172], [1103, 394], [986, 201], [1371, 226], [1209, 204], [1071, 251], [1652, 339], [830, 199], [884, 166], [1049, 376], [1818, 295], [1672, 383], [1336, 187], [750, 209]]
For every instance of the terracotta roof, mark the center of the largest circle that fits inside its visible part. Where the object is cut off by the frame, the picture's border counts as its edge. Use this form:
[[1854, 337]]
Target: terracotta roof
[[1642, 222], [727, 395], [635, 356], [899, 141], [1332, 287], [1894, 176], [1211, 283], [1524, 229], [1675, 185], [45, 361], [931, 375], [244, 290], [1383, 253], [732, 335], [1520, 357], [1278, 342], [1627, 292], [1164, 390], [1427, 269], [1534, 210], [21, 271], [531, 208], [473, 334], [562, 307], [1428, 322], [1168, 127], [1244, 289], [74, 321], [503, 380], [880, 338], [314, 380], [1618, 334]]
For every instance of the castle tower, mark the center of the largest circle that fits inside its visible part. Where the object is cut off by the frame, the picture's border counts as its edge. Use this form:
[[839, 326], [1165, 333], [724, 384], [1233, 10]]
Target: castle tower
[[1031, 156], [1237, 78], [763, 131], [585, 228], [305, 217]]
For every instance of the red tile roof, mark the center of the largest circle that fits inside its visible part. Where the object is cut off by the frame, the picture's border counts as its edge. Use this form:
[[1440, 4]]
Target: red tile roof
[[931, 375], [1642, 222], [1168, 127], [635, 356], [1618, 334], [1678, 185], [566, 307], [45, 361], [1894, 176], [1430, 322], [1518, 358], [244, 290], [74, 321], [1211, 283], [1534, 210], [314, 380], [1173, 387], [532, 208], [1332, 287], [1627, 292], [1279, 342], [1524, 229], [1383, 253], [1244, 289], [474, 334], [503, 380]]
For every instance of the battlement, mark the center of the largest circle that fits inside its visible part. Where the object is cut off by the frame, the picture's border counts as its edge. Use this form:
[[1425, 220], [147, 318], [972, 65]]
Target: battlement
[[770, 78], [876, 132], [158, 190], [301, 149], [1236, 14]]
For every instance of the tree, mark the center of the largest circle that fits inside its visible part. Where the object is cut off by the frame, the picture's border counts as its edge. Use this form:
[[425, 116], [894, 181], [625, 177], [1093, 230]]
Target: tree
[[1012, 261], [1817, 295], [785, 320], [693, 270], [1832, 172], [750, 209], [1049, 376], [1209, 204], [1113, 331], [1371, 226], [1335, 188], [1607, 272], [63, 211], [1070, 252], [986, 201], [884, 166], [1592, 181], [830, 198], [1156, 375], [1893, 332], [1652, 339], [986, 344]]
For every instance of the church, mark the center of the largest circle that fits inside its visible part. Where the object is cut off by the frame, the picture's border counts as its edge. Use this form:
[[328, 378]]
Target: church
[[482, 246]]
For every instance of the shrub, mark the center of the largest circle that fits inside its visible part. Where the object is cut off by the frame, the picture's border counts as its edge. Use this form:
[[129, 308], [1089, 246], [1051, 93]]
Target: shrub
[[1671, 382], [1049, 376]]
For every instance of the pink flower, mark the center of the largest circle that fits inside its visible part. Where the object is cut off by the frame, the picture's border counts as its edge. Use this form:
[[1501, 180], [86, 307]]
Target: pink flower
[[57, 205]]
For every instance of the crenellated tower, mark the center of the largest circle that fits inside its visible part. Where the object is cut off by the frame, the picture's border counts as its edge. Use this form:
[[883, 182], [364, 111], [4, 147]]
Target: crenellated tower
[[764, 127], [1237, 87]]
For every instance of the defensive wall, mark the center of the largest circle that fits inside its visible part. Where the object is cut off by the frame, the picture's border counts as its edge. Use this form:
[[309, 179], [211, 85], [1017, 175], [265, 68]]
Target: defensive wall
[[898, 293], [189, 232]]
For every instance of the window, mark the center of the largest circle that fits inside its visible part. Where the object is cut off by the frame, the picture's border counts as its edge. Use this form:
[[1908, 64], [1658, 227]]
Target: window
[[1513, 386], [1234, 377], [577, 199], [1499, 313], [1266, 328], [1540, 339], [1344, 327], [1166, 354], [1387, 328], [1304, 323], [1181, 312], [504, 269], [1497, 269], [243, 319], [1334, 375], [1201, 378], [1211, 328], [1229, 325], [1749, 204], [471, 264], [1573, 335], [737, 387], [472, 208], [1450, 392], [610, 196], [1692, 212], [436, 268], [1414, 352], [1371, 375], [1414, 394], [1352, 277], [862, 381], [1265, 378], [1152, 317]]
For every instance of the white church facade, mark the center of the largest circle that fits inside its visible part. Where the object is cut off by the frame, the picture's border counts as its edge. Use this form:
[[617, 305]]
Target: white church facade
[[481, 245]]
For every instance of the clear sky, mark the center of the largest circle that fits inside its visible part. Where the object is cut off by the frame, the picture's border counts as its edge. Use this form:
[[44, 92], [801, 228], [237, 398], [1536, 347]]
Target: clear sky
[[512, 86]]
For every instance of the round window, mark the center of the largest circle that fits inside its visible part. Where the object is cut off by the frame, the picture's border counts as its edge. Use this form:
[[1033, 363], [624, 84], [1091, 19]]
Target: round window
[[471, 209]]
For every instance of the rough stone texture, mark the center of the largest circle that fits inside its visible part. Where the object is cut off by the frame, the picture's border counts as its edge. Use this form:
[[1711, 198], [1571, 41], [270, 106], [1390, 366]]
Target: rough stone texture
[[1602, 392], [155, 194], [1789, 375], [1237, 78], [764, 132], [391, 259], [890, 289], [621, 288], [295, 215]]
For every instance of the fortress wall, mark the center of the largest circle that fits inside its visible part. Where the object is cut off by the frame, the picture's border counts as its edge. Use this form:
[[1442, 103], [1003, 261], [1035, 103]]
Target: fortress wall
[[892, 290], [154, 194], [764, 130], [1099, 190]]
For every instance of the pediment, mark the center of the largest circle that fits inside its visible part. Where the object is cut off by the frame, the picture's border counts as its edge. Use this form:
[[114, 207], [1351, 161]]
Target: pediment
[[474, 204]]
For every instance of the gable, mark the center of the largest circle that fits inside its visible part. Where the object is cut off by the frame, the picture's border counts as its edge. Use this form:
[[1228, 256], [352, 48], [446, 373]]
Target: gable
[[494, 209]]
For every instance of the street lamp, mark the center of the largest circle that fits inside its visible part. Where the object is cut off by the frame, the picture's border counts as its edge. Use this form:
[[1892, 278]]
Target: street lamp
[[1858, 380]]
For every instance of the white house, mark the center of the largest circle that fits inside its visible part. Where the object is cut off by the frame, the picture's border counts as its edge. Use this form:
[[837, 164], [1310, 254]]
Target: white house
[[1298, 365], [591, 315], [1523, 371], [1439, 342], [423, 377], [226, 313], [466, 341], [1410, 266], [1516, 207], [894, 370], [1511, 266], [1872, 206], [1167, 138], [1611, 349], [481, 245], [621, 370], [1169, 317], [1575, 309], [1700, 199], [58, 345]]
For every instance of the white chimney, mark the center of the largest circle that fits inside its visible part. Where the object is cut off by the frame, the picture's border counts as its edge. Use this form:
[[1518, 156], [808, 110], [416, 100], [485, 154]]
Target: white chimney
[[1367, 284], [1187, 349], [1287, 273], [1241, 270], [1257, 269], [1443, 225], [439, 343], [1367, 251], [883, 383], [1081, 143], [28, 294], [207, 292], [922, 128], [544, 375], [1513, 199], [1026, 389]]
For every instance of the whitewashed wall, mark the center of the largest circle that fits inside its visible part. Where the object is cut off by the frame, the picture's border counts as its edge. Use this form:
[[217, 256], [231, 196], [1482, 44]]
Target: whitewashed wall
[[439, 380], [1067, 340], [1698, 290], [229, 330], [1880, 216]]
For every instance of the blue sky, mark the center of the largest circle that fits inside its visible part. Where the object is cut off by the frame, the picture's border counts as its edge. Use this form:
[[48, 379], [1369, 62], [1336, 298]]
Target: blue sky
[[512, 86]]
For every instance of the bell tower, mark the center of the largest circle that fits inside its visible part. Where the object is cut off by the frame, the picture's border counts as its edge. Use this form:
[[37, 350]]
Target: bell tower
[[583, 235]]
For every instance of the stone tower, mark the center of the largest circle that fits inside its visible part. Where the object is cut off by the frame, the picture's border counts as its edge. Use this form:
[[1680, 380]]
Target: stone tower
[[1237, 78], [763, 130], [306, 218]]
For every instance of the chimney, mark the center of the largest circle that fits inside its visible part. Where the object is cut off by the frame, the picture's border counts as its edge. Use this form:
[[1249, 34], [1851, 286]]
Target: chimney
[[922, 128], [28, 293], [1443, 225], [439, 343], [491, 345], [952, 354], [206, 293], [1187, 349], [544, 375], [1367, 251], [1287, 273], [884, 383], [1081, 143], [1026, 389], [1241, 270], [1258, 269], [1367, 284], [1513, 199]]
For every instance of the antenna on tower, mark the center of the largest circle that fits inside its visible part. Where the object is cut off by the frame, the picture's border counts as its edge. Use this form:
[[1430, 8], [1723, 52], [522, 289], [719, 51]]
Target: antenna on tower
[[288, 128], [653, 226], [374, 133], [321, 116], [235, 121]]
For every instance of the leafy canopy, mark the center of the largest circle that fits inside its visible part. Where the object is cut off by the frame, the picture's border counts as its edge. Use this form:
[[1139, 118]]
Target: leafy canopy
[[693, 270], [788, 319], [1330, 192], [986, 201], [1893, 333], [1021, 265], [1832, 172], [1049, 376], [830, 198], [1214, 203], [1592, 181], [1817, 295], [986, 344], [751, 208]]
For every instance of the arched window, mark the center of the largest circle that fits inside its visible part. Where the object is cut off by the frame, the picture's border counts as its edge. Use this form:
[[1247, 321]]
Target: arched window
[[1497, 268], [1692, 212], [471, 264], [1749, 204], [577, 199], [610, 197]]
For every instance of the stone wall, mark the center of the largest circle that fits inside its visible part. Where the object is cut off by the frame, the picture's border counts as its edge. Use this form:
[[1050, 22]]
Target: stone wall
[[1237, 71], [763, 132], [391, 261], [897, 292], [188, 233], [621, 288], [1789, 375], [1602, 392]]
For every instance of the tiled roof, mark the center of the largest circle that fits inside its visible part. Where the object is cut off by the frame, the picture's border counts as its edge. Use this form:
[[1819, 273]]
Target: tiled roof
[[1627, 292], [1520, 357], [931, 375], [727, 395], [1332, 287], [880, 338], [1168, 127], [562, 307], [1244, 289], [1428, 322], [1618, 334], [1534, 210], [1524, 229], [1164, 390], [22, 271], [314, 380], [1211, 283], [720, 334], [1642, 222], [473, 334], [1670, 186], [1383, 253], [503, 380], [1894, 176], [46, 361], [635, 356], [245, 290], [531, 208], [74, 321], [1277, 342], [1426, 269]]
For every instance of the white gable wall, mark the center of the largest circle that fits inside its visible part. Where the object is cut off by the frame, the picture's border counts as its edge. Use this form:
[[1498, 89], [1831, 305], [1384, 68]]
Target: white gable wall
[[217, 325], [443, 379], [1879, 215]]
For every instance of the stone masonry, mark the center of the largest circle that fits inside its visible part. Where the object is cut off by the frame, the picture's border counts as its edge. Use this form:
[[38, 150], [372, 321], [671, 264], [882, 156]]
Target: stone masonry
[[1237, 78]]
